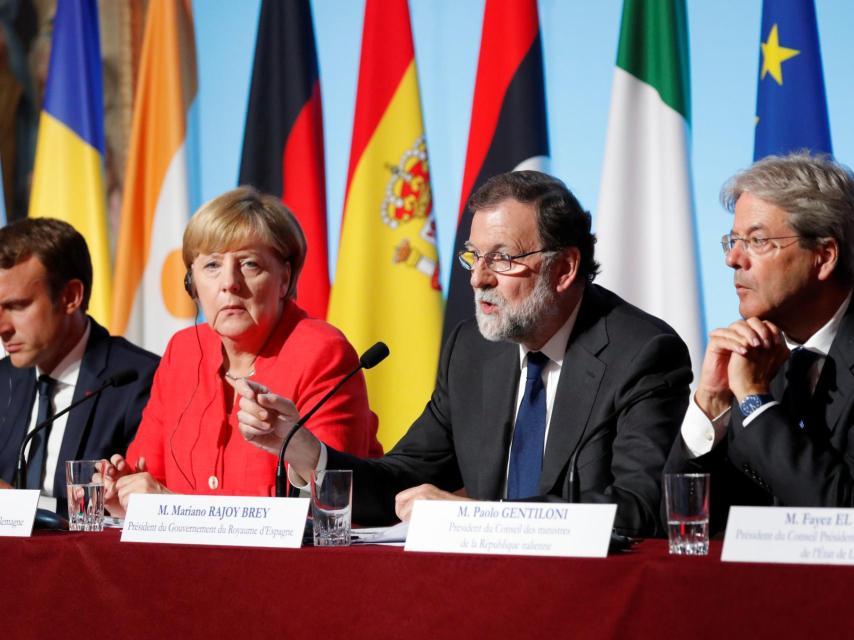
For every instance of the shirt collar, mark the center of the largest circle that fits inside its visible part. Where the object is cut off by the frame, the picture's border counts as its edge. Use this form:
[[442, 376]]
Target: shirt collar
[[820, 341], [66, 371], [555, 347]]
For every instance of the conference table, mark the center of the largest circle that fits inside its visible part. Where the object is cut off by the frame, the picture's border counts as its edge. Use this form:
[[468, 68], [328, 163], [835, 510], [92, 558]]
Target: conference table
[[69, 584]]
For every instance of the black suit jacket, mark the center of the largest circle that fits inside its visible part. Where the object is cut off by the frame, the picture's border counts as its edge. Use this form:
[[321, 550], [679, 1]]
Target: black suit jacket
[[775, 461], [462, 439], [96, 429]]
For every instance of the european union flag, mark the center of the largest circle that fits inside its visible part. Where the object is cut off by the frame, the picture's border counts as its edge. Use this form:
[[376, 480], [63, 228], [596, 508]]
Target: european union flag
[[791, 108]]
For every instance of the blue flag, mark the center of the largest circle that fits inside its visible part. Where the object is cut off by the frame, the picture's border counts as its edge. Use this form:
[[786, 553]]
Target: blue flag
[[791, 108]]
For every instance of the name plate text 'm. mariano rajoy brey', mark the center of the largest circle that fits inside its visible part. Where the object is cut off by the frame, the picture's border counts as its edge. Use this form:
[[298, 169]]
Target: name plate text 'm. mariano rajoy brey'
[[217, 520]]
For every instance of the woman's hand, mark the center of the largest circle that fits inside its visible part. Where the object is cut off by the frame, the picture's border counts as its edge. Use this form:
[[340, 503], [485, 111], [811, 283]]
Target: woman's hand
[[109, 472], [264, 417], [121, 482]]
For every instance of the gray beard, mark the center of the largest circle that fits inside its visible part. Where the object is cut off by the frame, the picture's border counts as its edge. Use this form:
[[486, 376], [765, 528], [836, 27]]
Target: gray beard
[[515, 324]]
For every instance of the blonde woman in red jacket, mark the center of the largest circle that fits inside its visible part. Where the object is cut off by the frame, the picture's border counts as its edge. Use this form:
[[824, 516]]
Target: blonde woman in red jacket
[[244, 251]]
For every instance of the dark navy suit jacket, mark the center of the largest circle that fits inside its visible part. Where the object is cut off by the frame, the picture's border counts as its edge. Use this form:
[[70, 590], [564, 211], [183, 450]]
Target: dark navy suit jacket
[[463, 437], [96, 429], [773, 461]]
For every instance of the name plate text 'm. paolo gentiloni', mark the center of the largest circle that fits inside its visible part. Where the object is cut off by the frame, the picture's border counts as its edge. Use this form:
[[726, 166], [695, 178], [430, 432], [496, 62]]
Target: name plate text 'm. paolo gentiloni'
[[511, 528], [789, 535], [216, 520]]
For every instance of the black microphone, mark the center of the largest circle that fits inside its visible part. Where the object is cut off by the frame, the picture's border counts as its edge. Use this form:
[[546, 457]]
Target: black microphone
[[368, 360], [119, 379], [671, 380]]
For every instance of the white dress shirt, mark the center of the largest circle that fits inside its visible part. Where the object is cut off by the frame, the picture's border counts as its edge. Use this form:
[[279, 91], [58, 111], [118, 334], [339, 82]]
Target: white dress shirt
[[701, 435], [65, 374]]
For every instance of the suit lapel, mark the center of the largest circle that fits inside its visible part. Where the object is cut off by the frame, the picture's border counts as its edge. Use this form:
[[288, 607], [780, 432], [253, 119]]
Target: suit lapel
[[580, 377], [13, 426], [836, 384], [88, 380], [500, 380]]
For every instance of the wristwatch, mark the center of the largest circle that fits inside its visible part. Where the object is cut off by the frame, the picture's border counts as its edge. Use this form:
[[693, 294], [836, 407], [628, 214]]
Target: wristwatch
[[752, 403]]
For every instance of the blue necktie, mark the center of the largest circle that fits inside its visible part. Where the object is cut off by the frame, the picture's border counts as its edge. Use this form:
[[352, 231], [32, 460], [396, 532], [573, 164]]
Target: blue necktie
[[38, 445], [526, 452]]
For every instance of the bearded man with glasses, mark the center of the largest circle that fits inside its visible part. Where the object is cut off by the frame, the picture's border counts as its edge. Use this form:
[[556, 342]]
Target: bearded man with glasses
[[774, 406], [557, 390]]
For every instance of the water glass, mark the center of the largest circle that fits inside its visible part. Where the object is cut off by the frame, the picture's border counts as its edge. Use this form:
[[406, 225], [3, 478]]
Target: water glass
[[85, 496], [687, 500], [331, 507]]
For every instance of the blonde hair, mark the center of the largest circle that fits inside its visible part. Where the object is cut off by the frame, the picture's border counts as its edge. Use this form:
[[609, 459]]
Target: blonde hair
[[241, 216]]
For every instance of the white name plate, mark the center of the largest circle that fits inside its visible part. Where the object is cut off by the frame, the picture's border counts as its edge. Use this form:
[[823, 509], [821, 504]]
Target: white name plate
[[511, 528], [18, 511], [789, 535], [219, 520]]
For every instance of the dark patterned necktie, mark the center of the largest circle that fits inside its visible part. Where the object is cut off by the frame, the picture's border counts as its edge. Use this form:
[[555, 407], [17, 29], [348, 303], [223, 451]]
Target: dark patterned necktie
[[526, 452], [38, 445], [797, 398]]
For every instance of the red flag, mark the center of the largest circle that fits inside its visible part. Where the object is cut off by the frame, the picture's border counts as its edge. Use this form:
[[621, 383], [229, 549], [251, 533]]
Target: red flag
[[508, 120], [283, 141]]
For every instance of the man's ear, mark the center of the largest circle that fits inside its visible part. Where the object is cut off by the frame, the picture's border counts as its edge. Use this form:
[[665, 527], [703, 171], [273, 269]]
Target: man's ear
[[826, 258], [71, 297], [566, 268]]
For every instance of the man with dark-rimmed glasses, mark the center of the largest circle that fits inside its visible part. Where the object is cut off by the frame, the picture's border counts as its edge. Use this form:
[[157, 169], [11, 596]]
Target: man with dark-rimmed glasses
[[775, 401], [556, 390]]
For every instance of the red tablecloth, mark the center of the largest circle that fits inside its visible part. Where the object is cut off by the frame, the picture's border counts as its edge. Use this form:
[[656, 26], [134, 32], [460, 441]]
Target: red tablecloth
[[62, 584]]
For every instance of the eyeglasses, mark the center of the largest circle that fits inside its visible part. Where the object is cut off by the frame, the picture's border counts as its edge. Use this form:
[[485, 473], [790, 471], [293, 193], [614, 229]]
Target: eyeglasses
[[755, 245], [494, 260]]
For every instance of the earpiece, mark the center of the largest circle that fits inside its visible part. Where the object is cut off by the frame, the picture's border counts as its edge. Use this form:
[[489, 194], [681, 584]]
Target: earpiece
[[189, 287]]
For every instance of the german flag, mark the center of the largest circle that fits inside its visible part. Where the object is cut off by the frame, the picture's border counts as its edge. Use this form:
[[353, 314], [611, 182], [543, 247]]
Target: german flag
[[508, 120], [387, 277], [283, 139]]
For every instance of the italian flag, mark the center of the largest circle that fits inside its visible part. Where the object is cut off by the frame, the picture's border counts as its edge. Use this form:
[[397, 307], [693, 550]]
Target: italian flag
[[645, 222]]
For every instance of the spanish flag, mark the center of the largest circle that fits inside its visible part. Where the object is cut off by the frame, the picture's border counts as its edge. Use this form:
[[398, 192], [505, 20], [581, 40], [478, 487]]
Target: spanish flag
[[150, 303], [68, 177], [387, 277]]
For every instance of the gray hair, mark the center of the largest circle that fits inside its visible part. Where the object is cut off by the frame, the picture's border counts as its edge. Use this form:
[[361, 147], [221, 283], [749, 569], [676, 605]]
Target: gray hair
[[816, 192]]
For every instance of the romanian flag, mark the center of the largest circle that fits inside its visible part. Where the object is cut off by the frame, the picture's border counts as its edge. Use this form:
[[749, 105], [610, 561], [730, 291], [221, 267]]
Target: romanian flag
[[283, 142], [508, 120], [150, 303], [68, 177], [387, 277], [791, 108]]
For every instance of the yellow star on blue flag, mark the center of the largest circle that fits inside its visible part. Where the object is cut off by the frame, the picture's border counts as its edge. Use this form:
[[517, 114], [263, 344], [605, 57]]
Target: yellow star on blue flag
[[773, 56], [790, 115]]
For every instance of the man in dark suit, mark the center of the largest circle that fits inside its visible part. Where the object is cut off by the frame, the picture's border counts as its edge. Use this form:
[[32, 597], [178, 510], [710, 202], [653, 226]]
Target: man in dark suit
[[57, 355], [774, 407], [553, 365]]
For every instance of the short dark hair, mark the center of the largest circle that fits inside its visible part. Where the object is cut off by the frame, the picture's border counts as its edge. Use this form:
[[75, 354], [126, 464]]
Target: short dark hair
[[561, 220], [58, 246]]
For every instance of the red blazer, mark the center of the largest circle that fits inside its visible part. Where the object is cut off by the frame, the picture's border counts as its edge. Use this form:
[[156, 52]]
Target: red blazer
[[192, 446]]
